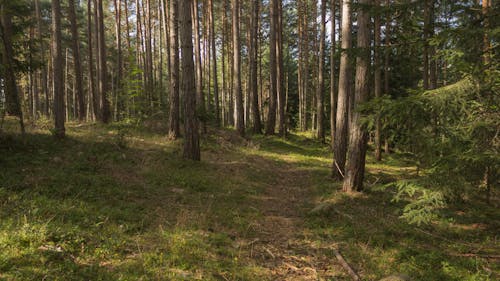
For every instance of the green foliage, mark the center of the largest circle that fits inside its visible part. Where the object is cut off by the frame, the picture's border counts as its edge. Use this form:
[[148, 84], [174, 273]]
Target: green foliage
[[424, 202]]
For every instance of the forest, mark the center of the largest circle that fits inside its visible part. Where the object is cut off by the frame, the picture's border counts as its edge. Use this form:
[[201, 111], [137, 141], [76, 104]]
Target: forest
[[250, 140]]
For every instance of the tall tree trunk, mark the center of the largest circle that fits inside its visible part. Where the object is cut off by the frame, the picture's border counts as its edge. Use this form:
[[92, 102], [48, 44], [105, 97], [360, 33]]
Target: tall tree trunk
[[33, 79], [386, 64], [340, 140], [12, 99], [57, 63], [320, 107], [432, 50], [103, 73], [43, 72], [333, 89], [223, 57], [271, 116], [197, 54], [214, 63], [426, 33], [191, 142], [174, 127], [257, 126], [119, 60], [240, 122], [75, 40], [280, 72], [92, 90], [356, 156], [378, 82]]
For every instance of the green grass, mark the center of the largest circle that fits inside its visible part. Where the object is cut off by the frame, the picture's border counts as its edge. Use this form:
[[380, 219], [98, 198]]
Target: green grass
[[118, 202]]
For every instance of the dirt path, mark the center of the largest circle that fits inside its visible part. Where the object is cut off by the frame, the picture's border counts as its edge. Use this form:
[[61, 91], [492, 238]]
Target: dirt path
[[282, 244]]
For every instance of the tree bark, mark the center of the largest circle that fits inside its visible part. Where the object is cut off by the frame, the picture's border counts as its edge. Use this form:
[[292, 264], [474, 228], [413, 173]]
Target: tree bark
[[12, 98], [386, 65], [273, 91], [240, 122], [119, 60], [103, 73], [191, 142], [77, 66], [340, 140], [378, 82], [197, 54], [257, 126], [280, 72], [214, 63], [320, 107], [92, 90], [174, 127], [333, 92], [356, 156], [43, 72], [57, 63], [426, 33]]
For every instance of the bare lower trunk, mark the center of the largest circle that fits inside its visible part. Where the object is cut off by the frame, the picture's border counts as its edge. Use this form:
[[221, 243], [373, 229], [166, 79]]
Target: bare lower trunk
[[340, 140], [191, 140], [77, 67], [240, 122], [320, 109], [57, 63], [174, 127], [257, 126], [355, 165], [103, 72], [273, 91], [333, 93], [378, 83]]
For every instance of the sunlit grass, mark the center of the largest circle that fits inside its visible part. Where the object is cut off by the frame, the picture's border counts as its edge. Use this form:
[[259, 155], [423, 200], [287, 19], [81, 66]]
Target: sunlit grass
[[118, 202]]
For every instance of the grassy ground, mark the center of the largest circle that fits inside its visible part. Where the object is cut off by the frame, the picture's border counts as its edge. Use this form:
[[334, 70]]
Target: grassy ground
[[119, 203]]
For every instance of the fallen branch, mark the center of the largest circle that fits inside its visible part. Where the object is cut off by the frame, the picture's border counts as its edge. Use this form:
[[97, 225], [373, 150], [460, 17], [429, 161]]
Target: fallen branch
[[338, 168], [345, 265]]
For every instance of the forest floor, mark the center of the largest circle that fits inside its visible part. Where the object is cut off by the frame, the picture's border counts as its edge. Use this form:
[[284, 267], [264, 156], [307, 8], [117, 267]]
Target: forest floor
[[118, 202]]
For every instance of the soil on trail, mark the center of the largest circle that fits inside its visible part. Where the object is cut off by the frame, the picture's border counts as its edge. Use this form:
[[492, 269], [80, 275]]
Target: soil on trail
[[280, 241]]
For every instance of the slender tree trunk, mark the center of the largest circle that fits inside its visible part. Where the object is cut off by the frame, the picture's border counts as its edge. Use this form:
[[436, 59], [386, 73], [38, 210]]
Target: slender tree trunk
[[33, 79], [340, 140], [356, 156], [386, 65], [77, 66], [67, 110], [333, 88], [214, 64], [432, 50], [320, 107], [426, 33], [223, 56], [174, 127], [280, 72], [43, 72], [257, 126], [240, 122], [57, 63], [103, 73], [271, 116], [191, 143], [92, 90], [119, 60], [197, 54], [378, 82]]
